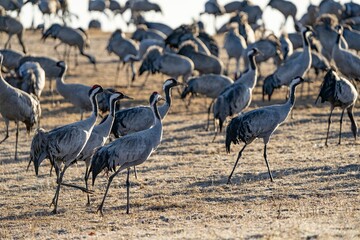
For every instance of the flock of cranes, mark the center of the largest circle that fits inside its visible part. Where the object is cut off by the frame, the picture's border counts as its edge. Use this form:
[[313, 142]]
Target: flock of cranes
[[188, 52]]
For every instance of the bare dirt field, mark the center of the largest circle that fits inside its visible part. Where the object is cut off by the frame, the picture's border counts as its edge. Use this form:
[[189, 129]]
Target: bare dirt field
[[181, 190]]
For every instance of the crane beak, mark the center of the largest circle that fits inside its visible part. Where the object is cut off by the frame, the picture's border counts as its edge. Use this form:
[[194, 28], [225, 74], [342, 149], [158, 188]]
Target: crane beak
[[127, 97]]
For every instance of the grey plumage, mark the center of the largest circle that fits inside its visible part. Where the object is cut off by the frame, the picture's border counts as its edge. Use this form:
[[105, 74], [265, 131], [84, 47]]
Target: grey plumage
[[70, 36], [18, 106], [139, 118], [33, 76], [122, 47], [99, 135], [130, 150], [11, 58], [52, 71], [142, 32], [173, 65], [64, 144], [203, 63], [234, 45], [339, 92], [210, 85], [287, 8], [331, 7], [77, 93], [347, 62], [12, 26], [259, 123], [290, 68], [237, 97], [253, 11]]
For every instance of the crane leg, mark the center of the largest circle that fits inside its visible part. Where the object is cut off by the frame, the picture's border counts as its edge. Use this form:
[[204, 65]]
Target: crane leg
[[128, 191], [8, 42], [267, 164], [135, 173], [328, 129], [100, 208], [16, 141], [341, 121], [7, 131], [56, 196], [117, 72], [209, 110], [237, 160], [353, 123], [86, 184]]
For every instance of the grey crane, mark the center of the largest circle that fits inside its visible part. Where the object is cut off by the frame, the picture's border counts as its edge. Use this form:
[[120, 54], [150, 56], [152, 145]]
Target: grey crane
[[122, 47], [210, 85], [12, 5], [139, 118], [245, 30], [287, 47], [237, 97], [270, 47], [339, 92], [259, 123], [287, 8], [290, 68], [162, 27], [99, 135], [33, 76], [72, 37], [138, 6], [253, 11], [52, 71], [209, 42], [11, 58], [64, 145], [173, 65], [351, 36], [212, 7], [98, 6], [234, 45], [77, 93], [130, 150], [18, 106], [309, 18], [183, 33], [331, 7], [203, 63], [12, 26], [325, 32], [142, 32], [347, 62]]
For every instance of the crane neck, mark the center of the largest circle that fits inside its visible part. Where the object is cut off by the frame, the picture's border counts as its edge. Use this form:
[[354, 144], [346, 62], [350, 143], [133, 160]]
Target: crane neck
[[338, 38], [306, 42], [252, 62], [291, 100], [112, 107], [94, 103], [156, 113], [168, 95], [61, 75]]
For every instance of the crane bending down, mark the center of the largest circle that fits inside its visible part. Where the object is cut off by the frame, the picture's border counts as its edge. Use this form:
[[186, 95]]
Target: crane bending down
[[128, 151], [64, 144], [340, 93], [259, 123]]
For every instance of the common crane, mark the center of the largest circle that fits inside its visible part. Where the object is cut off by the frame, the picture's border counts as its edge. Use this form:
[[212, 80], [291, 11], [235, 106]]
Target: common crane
[[210, 85], [139, 118], [72, 37], [259, 123], [236, 97], [347, 62], [130, 150], [18, 106], [340, 93], [290, 68], [65, 143], [12, 26]]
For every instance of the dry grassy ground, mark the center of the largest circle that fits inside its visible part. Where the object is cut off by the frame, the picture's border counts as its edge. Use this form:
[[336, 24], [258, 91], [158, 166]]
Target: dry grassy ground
[[181, 191]]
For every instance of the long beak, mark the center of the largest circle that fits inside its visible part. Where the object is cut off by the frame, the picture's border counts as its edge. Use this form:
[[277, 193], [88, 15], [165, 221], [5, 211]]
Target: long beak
[[127, 97], [317, 99]]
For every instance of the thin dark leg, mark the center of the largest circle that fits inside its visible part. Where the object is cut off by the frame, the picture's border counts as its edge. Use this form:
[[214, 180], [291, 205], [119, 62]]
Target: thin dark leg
[[354, 127], [341, 121], [86, 184], [329, 122], [56, 197], [209, 110], [17, 139], [135, 173], [267, 164], [7, 132], [237, 160], [128, 192], [100, 208]]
